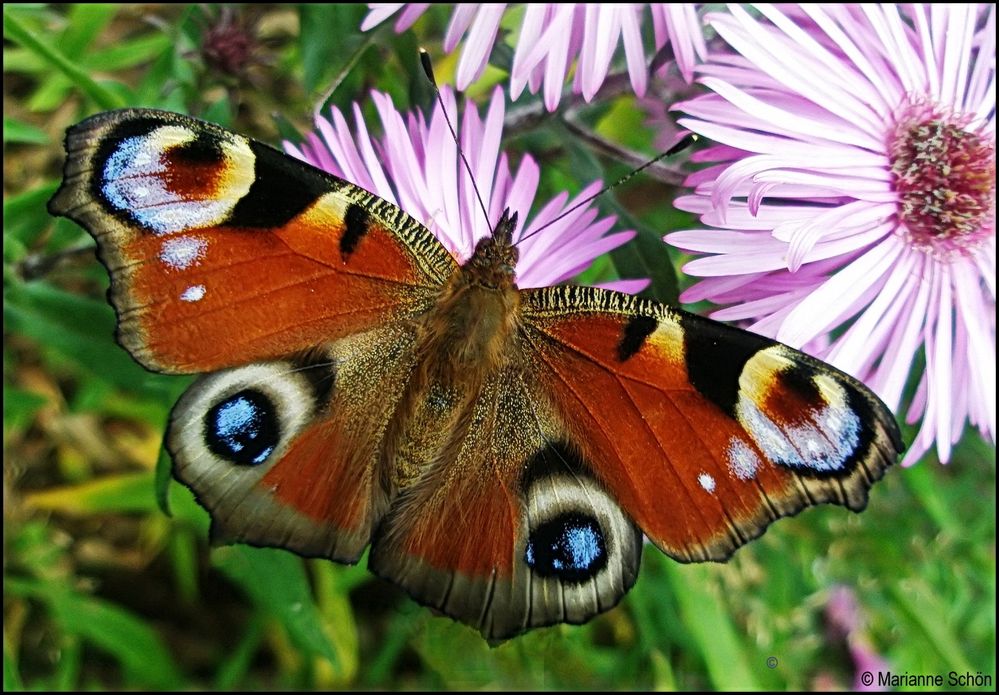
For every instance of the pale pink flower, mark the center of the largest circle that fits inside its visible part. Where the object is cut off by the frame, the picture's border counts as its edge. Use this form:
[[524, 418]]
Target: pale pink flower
[[845, 623], [554, 36], [852, 193], [416, 166]]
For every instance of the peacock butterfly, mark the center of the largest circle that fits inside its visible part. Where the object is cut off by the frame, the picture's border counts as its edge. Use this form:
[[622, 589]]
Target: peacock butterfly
[[502, 451]]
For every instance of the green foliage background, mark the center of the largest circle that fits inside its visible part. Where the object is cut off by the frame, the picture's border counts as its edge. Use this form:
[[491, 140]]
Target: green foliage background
[[102, 590]]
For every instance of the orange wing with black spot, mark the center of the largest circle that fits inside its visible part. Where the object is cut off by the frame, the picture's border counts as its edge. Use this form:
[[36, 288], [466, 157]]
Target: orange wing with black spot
[[224, 251], [703, 433]]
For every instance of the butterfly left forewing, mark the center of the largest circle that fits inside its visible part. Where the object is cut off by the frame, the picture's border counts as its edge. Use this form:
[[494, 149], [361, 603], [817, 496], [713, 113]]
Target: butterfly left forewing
[[704, 433], [296, 289], [223, 251]]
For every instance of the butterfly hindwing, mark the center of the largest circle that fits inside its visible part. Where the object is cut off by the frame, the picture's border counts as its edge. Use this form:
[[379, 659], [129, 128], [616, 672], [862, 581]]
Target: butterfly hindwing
[[704, 433], [223, 251], [289, 453], [512, 531]]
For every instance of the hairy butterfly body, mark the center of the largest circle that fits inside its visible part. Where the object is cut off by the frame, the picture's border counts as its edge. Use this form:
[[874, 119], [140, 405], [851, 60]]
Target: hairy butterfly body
[[502, 451]]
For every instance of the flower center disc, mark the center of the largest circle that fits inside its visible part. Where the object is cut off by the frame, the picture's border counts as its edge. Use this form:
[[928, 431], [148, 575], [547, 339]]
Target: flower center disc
[[945, 176]]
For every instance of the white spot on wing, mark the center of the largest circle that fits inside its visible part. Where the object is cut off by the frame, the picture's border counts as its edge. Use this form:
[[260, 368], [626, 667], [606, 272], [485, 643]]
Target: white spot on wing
[[742, 460], [707, 482], [194, 293], [180, 253]]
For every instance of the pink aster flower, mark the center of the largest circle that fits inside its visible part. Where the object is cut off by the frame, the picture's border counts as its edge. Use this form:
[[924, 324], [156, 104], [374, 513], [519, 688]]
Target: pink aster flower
[[845, 624], [416, 166], [852, 192], [552, 36]]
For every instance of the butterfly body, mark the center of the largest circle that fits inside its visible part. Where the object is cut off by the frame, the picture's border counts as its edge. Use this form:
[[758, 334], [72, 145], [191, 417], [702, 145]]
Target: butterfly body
[[501, 450]]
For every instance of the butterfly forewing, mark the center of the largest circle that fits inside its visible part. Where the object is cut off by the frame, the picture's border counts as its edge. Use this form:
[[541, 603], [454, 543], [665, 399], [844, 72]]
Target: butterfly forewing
[[223, 251], [703, 433]]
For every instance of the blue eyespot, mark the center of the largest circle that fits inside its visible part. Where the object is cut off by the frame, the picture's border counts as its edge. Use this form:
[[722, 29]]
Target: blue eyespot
[[570, 547], [243, 428]]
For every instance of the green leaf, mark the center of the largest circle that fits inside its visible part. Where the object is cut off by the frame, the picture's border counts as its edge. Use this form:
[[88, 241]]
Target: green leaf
[[321, 57], [14, 30], [927, 613], [275, 581], [131, 53], [122, 493], [11, 678], [705, 613], [108, 627], [645, 256], [333, 601], [183, 549], [219, 111], [163, 478], [70, 662], [84, 22], [20, 407], [20, 132], [234, 667], [22, 60], [81, 330], [25, 216]]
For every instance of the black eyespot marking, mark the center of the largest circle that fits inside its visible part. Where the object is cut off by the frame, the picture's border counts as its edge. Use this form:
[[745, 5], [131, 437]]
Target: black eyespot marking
[[243, 428], [570, 547], [635, 332], [557, 458], [282, 189], [715, 355], [203, 150], [356, 226]]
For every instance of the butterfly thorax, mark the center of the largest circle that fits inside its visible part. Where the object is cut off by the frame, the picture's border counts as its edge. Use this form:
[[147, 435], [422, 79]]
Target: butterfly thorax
[[469, 335], [476, 315]]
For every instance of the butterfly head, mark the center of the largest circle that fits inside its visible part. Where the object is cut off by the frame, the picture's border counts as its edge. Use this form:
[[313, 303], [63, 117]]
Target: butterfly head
[[493, 263]]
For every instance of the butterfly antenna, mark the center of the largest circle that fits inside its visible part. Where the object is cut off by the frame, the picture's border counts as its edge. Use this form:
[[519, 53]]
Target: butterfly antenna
[[684, 143], [428, 68]]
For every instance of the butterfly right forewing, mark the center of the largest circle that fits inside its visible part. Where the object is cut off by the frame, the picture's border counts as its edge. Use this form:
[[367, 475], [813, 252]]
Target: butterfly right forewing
[[703, 433]]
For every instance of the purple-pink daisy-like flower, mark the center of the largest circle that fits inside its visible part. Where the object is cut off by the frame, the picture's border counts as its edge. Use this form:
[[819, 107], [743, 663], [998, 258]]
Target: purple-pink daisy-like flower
[[845, 624], [553, 36], [416, 166], [852, 195]]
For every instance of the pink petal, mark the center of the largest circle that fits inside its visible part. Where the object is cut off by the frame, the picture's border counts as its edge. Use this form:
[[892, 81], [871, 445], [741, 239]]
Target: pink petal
[[821, 309], [479, 44]]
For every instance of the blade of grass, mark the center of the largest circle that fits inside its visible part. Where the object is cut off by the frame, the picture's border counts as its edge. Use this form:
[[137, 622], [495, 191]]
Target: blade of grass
[[17, 131], [108, 627], [275, 581], [924, 609], [235, 666], [124, 493], [14, 30], [11, 678], [706, 617]]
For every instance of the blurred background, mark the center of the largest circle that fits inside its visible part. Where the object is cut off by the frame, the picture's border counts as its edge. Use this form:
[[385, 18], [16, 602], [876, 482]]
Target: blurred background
[[102, 589]]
